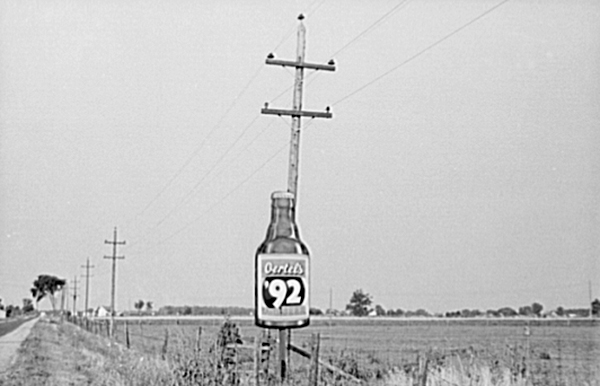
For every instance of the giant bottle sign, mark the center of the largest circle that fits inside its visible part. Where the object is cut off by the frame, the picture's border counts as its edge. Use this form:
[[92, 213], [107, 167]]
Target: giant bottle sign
[[282, 268], [283, 293]]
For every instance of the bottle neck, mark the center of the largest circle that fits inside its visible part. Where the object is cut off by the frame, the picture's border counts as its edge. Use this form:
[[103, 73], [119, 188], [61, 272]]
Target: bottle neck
[[282, 222]]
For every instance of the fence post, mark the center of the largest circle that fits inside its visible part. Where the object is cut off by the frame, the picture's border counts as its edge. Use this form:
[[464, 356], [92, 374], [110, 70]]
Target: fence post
[[165, 344], [127, 342], [107, 329], [258, 356], [268, 370], [313, 378], [424, 370], [198, 340]]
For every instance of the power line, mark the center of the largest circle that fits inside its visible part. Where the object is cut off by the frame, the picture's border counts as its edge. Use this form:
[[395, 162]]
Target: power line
[[239, 185], [188, 195], [446, 37], [374, 25], [223, 198], [199, 148]]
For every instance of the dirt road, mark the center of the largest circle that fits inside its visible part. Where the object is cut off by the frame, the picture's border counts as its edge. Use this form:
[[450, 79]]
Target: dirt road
[[9, 343]]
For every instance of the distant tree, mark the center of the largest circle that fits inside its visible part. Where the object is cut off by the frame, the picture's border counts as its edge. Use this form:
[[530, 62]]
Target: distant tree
[[467, 313], [27, 305], [12, 311], [187, 310], [397, 312], [1, 305], [359, 303], [507, 311], [379, 310], [537, 308], [47, 285], [422, 312], [560, 311], [149, 305], [315, 311], [525, 311], [596, 307], [139, 305]]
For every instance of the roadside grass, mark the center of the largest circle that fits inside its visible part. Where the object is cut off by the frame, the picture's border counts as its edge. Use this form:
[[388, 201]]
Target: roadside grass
[[58, 353]]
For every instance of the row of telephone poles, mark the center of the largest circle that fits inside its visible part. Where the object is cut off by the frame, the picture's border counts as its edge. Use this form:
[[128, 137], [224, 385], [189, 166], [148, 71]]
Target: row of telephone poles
[[114, 242]]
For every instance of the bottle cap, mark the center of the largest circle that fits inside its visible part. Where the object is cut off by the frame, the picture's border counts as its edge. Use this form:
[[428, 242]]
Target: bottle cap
[[280, 195]]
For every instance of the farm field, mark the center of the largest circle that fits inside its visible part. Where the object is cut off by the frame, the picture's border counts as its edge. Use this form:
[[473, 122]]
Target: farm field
[[554, 352]]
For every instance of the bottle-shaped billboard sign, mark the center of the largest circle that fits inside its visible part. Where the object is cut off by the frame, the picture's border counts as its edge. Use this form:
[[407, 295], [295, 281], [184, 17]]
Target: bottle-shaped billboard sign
[[282, 269]]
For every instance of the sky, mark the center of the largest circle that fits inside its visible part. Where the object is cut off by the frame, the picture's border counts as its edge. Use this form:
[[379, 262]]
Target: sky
[[460, 168]]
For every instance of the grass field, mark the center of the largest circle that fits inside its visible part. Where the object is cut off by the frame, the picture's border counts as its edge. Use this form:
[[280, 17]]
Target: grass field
[[549, 352]]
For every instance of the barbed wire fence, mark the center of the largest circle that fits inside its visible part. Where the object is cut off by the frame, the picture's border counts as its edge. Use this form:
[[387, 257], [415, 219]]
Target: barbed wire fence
[[549, 351]]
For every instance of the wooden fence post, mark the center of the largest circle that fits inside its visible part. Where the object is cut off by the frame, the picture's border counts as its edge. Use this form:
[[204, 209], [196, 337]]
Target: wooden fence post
[[165, 344], [313, 378], [198, 340], [127, 335], [423, 369], [258, 356]]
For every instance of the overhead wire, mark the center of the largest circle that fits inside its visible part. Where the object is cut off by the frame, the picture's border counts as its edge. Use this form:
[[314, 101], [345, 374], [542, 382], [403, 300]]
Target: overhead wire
[[188, 195], [373, 26], [364, 32], [418, 54], [239, 185], [211, 132], [226, 196], [199, 148], [287, 35]]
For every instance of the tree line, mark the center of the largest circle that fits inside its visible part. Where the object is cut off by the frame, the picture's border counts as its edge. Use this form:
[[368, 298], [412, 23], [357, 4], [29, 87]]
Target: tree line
[[361, 304]]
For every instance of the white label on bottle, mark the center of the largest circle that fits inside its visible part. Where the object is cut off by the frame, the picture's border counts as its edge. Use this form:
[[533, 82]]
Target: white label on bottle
[[282, 288]]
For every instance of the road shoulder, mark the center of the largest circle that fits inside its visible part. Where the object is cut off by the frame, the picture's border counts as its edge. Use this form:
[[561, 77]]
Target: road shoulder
[[10, 343]]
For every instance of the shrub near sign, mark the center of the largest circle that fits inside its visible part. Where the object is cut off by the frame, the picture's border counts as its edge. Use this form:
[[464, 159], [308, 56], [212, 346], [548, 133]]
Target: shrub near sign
[[282, 289]]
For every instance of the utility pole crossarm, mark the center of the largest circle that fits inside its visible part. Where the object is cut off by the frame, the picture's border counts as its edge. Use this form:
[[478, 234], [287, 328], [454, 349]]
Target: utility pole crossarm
[[114, 258], [311, 66], [297, 113]]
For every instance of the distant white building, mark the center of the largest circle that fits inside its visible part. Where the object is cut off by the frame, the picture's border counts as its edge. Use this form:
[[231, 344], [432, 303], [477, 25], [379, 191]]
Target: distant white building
[[102, 311]]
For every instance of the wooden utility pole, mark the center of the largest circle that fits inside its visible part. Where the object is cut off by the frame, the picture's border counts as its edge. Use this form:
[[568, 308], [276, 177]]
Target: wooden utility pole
[[114, 258], [296, 113], [75, 296], [590, 297], [87, 267]]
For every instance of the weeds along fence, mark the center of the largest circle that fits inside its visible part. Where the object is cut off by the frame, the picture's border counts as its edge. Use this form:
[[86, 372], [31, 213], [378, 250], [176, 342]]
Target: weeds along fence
[[537, 352], [219, 356]]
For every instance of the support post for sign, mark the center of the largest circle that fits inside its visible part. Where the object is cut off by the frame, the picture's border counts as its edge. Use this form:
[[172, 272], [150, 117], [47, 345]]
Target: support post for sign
[[258, 357], [296, 113], [313, 378]]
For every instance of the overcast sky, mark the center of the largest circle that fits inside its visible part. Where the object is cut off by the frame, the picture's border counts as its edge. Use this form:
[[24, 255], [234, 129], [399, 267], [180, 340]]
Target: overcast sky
[[460, 170]]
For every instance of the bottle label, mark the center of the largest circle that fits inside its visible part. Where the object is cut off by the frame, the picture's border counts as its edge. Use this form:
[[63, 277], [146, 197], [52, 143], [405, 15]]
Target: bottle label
[[282, 288]]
